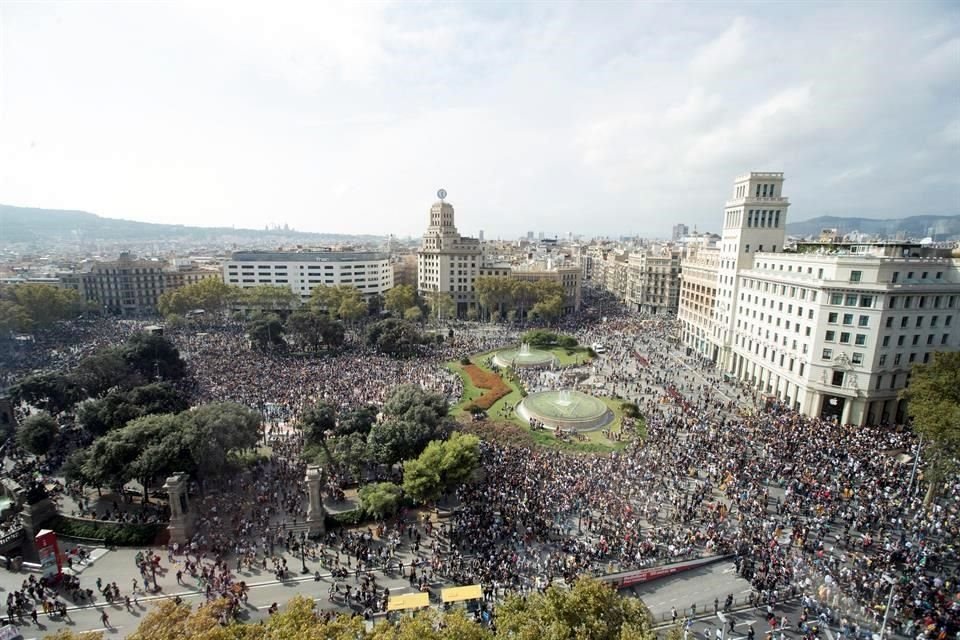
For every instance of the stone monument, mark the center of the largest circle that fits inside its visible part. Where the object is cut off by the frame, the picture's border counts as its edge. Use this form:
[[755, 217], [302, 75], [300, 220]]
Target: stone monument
[[181, 520], [315, 513]]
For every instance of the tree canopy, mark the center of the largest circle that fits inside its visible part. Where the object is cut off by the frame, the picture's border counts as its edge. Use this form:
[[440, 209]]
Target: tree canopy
[[413, 418], [394, 337], [152, 355], [37, 433], [212, 295], [343, 301], [442, 466], [588, 611], [380, 499], [311, 329], [400, 298], [266, 330], [27, 307], [117, 408], [498, 295], [934, 404]]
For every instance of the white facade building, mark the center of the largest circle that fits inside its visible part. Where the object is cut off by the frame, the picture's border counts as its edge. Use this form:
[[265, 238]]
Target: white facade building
[[371, 273], [830, 330]]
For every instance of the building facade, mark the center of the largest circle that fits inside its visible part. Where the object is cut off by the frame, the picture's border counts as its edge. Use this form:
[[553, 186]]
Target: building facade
[[829, 330], [653, 279], [569, 276], [127, 286], [370, 272], [448, 262]]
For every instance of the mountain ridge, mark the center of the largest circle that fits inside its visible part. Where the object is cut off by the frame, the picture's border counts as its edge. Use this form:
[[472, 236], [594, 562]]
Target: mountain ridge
[[34, 224], [943, 227]]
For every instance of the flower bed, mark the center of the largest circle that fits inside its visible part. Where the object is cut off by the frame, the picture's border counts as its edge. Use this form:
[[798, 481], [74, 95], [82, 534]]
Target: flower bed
[[120, 534], [495, 387]]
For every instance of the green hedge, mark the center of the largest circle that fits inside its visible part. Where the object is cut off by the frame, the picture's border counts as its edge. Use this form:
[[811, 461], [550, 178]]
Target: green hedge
[[112, 533]]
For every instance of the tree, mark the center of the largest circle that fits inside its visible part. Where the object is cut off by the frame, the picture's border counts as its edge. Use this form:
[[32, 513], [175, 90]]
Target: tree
[[400, 298], [413, 314], [45, 304], [266, 330], [343, 301], [442, 305], [307, 326], [212, 295], [266, 298], [105, 369], [53, 392], [356, 420], [119, 407], [350, 453], [539, 338], [37, 433], [393, 337], [380, 499], [524, 295], [13, 318], [549, 309], [215, 431], [413, 418], [152, 356], [442, 466], [316, 422], [934, 405], [591, 610]]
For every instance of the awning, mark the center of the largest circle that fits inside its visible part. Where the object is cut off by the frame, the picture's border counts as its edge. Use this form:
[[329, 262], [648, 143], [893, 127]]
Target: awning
[[458, 594], [408, 601]]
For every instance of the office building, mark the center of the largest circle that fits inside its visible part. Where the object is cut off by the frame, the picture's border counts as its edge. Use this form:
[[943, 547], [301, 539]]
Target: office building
[[370, 272], [828, 329], [448, 262]]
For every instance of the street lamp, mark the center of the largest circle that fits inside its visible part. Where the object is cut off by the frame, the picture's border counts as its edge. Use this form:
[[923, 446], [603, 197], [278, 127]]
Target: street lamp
[[886, 612], [303, 554]]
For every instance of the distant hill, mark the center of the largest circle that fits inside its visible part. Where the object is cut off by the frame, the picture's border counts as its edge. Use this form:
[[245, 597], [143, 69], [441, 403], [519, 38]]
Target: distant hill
[[51, 226], [943, 227]]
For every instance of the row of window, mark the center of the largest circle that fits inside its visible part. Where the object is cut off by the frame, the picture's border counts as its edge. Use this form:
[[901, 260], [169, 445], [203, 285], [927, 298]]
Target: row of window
[[918, 323], [852, 300], [907, 302], [923, 276]]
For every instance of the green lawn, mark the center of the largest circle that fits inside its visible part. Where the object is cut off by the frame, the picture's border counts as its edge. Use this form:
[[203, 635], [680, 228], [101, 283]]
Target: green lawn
[[502, 410]]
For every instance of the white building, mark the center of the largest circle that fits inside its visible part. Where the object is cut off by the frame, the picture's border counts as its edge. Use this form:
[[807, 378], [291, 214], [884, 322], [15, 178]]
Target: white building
[[830, 329], [446, 261], [371, 273]]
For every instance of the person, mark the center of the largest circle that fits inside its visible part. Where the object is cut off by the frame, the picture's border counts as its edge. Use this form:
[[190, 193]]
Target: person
[[105, 619], [673, 614]]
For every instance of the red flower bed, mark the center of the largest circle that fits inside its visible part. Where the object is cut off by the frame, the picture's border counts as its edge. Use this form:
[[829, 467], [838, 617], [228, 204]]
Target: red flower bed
[[495, 387]]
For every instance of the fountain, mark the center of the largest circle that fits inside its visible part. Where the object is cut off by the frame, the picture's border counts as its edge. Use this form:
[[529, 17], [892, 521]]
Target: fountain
[[566, 409], [523, 356]]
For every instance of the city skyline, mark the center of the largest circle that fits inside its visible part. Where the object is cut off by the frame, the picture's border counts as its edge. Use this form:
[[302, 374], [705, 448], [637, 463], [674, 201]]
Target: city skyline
[[609, 120]]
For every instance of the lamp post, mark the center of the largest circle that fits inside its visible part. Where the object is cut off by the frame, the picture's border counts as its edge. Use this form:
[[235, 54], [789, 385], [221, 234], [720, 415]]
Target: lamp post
[[303, 553], [886, 612]]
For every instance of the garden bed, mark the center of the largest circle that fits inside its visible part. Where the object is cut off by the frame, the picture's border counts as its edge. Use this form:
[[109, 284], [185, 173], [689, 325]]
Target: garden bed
[[494, 385], [119, 534]]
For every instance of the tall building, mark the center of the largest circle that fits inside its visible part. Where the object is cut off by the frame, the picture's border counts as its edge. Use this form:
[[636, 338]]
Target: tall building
[[370, 272], [446, 261], [828, 329], [680, 231], [653, 279]]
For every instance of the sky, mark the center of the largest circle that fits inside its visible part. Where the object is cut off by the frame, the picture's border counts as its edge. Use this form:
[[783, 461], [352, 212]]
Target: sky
[[597, 118]]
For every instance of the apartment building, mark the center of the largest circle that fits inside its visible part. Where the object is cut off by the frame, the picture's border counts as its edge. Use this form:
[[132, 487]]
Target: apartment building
[[829, 329], [370, 272], [653, 279]]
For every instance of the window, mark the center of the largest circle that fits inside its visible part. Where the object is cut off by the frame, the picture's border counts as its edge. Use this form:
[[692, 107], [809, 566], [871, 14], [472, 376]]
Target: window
[[851, 300], [837, 379], [879, 382], [916, 340], [907, 302], [886, 341], [946, 321], [943, 338], [831, 336], [866, 301], [899, 341], [896, 360], [845, 338], [903, 322], [848, 318], [939, 275], [909, 275], [896, 276], [933, 321], [883, 360], [836, 298], [923, 276], [889, 322], [926, 357], [930, 339], [820, 273], [919, 321], [860, 339], [857, 358], [827, 354], [863, 321], [912, 357], [855, 276]]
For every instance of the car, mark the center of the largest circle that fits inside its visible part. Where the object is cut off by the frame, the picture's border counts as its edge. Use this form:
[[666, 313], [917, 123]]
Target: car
[[598, 347]]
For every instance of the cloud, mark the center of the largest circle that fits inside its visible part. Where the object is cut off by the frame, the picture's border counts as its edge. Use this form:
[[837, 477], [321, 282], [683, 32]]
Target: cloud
[[725, 51]]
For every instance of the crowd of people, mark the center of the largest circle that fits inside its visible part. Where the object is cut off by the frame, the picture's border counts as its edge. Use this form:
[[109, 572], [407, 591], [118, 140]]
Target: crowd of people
[[801, 503]]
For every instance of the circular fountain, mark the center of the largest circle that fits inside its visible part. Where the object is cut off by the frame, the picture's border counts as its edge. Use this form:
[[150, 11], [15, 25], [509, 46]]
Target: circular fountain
[[523, 357], [566, 409]]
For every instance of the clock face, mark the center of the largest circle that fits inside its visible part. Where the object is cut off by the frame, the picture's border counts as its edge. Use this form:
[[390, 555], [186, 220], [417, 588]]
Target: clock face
[[442, 194]]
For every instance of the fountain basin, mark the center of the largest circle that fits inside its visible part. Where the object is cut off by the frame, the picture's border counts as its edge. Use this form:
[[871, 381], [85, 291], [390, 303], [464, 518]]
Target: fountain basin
[[523, 357], [566, 409]]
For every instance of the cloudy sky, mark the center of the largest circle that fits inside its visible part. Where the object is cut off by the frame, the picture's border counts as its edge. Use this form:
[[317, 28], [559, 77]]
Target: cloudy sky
[[597, 118]]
